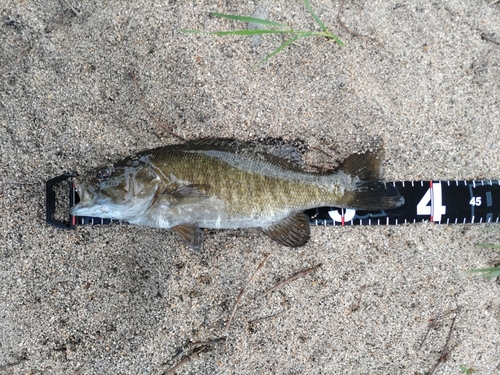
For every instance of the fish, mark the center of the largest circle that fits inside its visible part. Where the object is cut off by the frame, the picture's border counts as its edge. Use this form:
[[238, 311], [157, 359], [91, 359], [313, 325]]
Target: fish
[[229, 184]]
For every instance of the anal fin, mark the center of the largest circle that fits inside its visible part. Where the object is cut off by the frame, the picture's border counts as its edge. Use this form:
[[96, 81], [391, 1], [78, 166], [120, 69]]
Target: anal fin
[[294, 231]]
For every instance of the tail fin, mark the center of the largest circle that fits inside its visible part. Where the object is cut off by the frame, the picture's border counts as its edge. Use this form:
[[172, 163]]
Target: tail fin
[[371, 192]]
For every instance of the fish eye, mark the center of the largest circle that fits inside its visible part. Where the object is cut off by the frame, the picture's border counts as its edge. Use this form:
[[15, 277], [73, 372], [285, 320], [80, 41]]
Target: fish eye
[[105, 173]]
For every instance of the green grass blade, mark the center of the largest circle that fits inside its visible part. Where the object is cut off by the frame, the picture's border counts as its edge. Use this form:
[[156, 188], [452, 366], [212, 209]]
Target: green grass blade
[[299, 34], [280, 48], [240, 32], [488, 245], [258, 21], [250, 32], [492, 269], [316, 18], [491, 273], [337, 40]]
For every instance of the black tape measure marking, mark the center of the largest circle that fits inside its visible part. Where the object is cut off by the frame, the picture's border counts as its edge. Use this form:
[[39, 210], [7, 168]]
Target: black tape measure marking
[[442, 202]]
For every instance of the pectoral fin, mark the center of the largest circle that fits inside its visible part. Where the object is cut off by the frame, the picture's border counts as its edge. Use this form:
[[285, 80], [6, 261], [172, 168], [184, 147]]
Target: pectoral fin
[[191, 234], [188, 194], [294, 231], [194, 190]]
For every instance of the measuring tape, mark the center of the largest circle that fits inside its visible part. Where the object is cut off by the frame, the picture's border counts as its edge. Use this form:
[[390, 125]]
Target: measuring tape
[[442, 202]]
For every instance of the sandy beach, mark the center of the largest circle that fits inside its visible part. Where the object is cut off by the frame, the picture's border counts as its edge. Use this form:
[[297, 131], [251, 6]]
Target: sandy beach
[[86, 83]]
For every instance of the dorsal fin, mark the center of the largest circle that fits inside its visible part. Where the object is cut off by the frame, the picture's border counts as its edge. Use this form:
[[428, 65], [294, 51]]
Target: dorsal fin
[[216, 142], [280, 162], [366, 166], [279, 153]]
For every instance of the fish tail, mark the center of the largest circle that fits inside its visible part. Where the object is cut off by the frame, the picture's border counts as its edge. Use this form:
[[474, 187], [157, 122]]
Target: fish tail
[[371, 192], [374, 195]]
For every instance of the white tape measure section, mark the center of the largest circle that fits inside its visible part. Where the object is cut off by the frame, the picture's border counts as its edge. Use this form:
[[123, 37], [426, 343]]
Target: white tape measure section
[[434, 196], [349, 214]]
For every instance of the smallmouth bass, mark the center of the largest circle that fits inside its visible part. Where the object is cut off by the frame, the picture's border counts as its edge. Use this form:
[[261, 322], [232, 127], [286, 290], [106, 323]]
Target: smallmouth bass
[[226, 184]]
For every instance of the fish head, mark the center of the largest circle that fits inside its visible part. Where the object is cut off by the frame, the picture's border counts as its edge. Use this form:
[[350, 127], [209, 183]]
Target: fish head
[[122, 191]]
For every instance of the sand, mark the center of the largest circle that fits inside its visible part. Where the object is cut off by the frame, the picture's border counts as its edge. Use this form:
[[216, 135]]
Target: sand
[[129, 300]]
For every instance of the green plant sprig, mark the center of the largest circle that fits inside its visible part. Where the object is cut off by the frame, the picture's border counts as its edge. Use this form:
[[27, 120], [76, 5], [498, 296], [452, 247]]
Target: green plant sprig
[[468, 371], [488, 245], [281, 29], [489, 273], [492, 272]]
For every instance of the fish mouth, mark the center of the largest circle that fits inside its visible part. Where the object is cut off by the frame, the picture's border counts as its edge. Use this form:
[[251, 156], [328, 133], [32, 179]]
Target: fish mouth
[[84, 199], [90, 209], [87, 203], [90, 202]]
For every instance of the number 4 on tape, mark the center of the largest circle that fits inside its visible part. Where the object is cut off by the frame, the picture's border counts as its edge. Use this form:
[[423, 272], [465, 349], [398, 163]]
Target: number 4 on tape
[[434, 195]]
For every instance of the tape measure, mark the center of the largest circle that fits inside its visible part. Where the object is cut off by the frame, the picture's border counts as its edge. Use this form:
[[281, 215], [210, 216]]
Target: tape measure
[[442, 202]]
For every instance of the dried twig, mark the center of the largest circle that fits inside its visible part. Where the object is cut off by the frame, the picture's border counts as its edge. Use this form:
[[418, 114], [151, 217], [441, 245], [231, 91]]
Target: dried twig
[[433, 322], [353, 32], [10, 365], [243, 291], [186, 359], [486, 37], [204, 345], [444, 351], [431, 325], [77, 13], [158, 122], [265, 318], [290, 279], [214, 342]]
